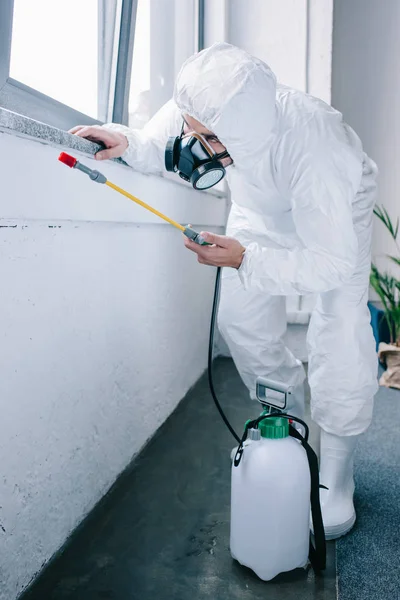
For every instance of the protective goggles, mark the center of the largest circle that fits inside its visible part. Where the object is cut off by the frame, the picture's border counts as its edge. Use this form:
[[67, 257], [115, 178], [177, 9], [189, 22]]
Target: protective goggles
[[194, 160]]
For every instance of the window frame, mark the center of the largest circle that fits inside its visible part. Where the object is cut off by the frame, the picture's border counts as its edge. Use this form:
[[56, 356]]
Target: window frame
[[199, 26], [20, 98]]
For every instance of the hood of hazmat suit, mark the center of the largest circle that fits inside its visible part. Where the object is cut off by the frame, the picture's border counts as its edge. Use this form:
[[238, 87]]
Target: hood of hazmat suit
[[232, 94], [302, 192]]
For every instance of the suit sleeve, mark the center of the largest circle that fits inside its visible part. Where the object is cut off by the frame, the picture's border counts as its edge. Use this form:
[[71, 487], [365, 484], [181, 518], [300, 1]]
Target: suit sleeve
[[145, 152]]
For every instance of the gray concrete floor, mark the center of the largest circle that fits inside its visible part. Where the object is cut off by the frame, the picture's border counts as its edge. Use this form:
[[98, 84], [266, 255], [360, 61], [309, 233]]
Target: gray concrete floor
[[163, 530]]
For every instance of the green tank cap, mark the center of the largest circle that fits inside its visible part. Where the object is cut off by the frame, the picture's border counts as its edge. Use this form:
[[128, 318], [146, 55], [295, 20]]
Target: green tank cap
[[274, 428]]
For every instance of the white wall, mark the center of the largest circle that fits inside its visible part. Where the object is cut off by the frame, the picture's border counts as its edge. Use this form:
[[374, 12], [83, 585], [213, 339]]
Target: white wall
[[292, 36], [366, 88], [275, 32], [104, 327], [319, 53]]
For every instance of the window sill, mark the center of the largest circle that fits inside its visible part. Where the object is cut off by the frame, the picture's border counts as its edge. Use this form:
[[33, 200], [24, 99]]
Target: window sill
[[16, 124]]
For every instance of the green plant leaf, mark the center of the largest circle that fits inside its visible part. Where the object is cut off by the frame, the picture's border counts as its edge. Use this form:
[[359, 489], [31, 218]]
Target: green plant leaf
[[383, 215], [386, 285], [388, 289], [395, 259]]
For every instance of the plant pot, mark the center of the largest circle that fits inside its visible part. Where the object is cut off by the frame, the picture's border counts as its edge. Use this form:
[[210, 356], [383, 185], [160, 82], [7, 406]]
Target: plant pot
[[378, 322], [389, 356]]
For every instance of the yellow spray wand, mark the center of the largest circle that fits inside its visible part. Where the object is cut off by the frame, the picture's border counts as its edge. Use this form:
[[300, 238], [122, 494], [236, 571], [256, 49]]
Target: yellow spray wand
[[72, 162]]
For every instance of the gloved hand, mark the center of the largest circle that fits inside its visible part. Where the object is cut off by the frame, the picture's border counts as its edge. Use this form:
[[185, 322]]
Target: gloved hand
[[115, 142], [225, 251]]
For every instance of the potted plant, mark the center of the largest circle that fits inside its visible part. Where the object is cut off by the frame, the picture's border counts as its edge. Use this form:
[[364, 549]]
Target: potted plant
[[387, 287]]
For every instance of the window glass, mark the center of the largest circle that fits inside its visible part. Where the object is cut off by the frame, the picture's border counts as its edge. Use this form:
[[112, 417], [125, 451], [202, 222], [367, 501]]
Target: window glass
[[54, 50]]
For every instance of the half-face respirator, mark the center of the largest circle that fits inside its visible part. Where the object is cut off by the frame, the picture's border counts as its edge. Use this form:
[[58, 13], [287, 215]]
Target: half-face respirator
[[194, 160]]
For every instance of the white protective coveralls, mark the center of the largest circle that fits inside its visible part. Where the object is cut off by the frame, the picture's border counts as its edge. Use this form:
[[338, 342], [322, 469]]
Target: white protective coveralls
[[302, 192]]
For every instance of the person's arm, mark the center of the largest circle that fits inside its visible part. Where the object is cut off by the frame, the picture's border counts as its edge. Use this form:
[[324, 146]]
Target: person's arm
[[143, 149], [146, 147]]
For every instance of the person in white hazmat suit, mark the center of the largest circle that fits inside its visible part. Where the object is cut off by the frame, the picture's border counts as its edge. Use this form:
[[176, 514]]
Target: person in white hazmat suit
[[303, 193]]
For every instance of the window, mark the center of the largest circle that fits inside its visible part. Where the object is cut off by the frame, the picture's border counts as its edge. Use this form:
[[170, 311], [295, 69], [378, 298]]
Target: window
[[60, 61]]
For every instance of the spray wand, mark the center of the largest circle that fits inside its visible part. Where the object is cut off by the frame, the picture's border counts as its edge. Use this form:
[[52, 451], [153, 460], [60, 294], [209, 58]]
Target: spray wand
[[94, 175]]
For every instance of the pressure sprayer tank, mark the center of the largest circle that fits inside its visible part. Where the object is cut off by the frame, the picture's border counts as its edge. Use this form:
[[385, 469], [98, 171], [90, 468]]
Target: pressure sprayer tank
[[270, 510]]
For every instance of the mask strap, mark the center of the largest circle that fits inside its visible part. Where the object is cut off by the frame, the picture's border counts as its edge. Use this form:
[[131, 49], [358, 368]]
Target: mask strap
[[224, 154]]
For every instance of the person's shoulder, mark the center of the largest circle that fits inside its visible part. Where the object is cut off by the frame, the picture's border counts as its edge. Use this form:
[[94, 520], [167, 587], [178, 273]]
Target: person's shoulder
[[300, 112], [309, 125], [313, 138]]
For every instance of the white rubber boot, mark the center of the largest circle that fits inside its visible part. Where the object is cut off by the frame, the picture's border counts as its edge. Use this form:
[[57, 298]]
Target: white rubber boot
[[336, 473]]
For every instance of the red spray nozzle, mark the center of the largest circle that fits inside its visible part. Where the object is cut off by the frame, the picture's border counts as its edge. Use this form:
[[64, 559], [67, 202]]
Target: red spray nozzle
[[67, 159]]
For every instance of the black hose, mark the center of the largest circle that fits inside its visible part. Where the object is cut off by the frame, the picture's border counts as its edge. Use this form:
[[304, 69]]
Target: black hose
[[210, 371], [210, 354]]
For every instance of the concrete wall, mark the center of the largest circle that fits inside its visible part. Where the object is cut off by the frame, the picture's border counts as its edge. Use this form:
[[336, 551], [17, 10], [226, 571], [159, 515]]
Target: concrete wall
[[104, 328], [366, 88]]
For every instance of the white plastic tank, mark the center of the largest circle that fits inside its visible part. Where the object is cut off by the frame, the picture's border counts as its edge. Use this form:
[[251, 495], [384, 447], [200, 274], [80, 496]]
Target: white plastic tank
[[270, 502]]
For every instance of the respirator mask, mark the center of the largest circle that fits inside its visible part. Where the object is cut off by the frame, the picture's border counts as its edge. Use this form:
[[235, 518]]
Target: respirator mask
[[194, 160]]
